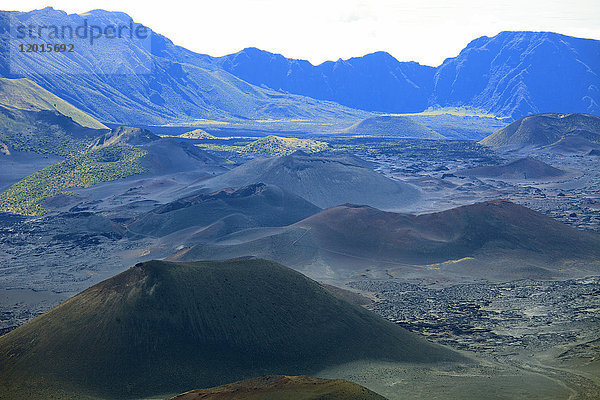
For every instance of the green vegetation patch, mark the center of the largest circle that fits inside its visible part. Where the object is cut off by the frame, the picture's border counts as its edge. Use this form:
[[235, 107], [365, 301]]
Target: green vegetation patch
[[269, 145], [197, 134], [280, 146], [43, 132], [81, 170], [27, 95]]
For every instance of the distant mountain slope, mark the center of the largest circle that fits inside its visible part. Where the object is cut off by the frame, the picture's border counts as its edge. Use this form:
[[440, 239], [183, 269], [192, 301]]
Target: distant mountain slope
[[514, 74], [546, 129], [29, 96], [164, 327], [507, 241], [393, 126], [43, 132], [278, 387], [34, 120], [217, 214], [374, 82], [324, 180], [523, 168], [145, 82], [511, 75]]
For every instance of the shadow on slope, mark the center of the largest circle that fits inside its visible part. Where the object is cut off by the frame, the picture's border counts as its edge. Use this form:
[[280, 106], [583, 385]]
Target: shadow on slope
[[235, 208]]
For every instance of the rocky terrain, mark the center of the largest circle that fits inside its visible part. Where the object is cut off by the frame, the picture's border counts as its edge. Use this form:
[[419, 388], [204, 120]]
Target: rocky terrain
[[549, 327]]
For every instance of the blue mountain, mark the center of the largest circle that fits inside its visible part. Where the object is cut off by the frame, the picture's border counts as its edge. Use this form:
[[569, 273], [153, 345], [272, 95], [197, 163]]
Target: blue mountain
[[374, 82], [515, 74], [145, 82], [512, 74]]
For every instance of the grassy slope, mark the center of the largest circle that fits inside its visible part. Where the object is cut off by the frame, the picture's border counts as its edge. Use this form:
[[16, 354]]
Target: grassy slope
[[27, 95], [172, 327], [34, 120], [277, 387], [42, 132], [269, 145], [81, 170]]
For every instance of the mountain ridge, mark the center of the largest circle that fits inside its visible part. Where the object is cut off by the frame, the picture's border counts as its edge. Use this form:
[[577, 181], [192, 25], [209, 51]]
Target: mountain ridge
[[494, 74], [520, 73], [349, 82], [510, 75], [148, 82]]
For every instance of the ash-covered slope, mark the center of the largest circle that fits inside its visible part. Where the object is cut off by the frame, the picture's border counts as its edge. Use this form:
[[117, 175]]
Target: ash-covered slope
[[523, 168], [169, 155], [504, 240], [393, 126], [216, 214], [324, 180], [547, 130], [166, 327], [450, 234]]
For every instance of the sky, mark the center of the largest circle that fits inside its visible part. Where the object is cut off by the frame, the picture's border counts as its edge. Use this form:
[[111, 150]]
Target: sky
[[426, 31]]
